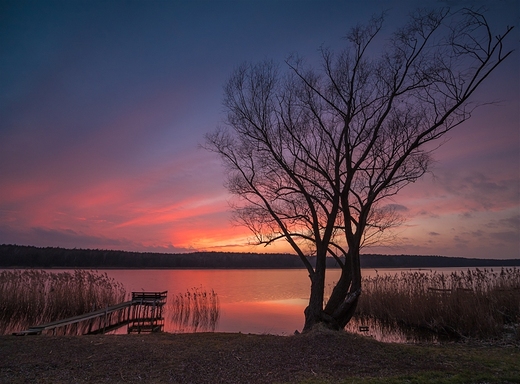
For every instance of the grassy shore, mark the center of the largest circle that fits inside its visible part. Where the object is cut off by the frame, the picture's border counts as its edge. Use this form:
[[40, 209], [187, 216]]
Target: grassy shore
[[317, 357]]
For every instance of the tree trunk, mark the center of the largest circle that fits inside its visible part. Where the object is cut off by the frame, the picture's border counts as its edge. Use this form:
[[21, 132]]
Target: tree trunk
[[343, 301], [314, 311], [344, 311], [340, 291]]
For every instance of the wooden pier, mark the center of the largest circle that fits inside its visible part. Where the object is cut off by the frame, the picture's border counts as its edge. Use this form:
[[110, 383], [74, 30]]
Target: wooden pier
[[144, 313], [147, 312]]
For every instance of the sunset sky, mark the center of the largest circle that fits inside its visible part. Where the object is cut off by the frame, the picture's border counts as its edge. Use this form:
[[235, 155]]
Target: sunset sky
[[104, 106]]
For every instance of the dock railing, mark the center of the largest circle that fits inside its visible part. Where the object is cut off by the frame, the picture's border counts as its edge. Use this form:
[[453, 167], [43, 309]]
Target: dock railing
[[147, 312]]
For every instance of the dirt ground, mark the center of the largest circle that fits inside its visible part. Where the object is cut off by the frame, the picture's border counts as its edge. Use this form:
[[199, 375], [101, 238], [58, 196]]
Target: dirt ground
[[316, 357]]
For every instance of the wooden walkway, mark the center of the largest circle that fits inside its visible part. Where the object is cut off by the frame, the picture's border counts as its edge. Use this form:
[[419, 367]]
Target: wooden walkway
[[144, 313]]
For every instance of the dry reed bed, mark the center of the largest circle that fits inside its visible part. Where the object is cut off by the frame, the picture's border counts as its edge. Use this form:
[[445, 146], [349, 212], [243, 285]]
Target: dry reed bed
[[195, 310], [474, 303], [32, 297]]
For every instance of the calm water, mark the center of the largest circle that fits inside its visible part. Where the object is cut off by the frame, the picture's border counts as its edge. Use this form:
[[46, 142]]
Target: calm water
[[251, 301], [263, 301]]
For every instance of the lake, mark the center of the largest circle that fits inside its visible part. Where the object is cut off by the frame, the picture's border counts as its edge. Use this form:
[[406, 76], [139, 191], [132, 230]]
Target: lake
[[259, 301], [263, 301]]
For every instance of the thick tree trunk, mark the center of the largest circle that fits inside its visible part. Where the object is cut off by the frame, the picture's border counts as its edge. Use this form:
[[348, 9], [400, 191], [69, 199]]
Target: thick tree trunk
[[340, 291], [313, 312], [343, 312], [343, 301]]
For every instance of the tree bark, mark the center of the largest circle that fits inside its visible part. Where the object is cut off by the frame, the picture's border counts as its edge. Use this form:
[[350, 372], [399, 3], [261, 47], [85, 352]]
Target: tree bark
[[345, 310], [340, 291], [313, 312], [343, 301]]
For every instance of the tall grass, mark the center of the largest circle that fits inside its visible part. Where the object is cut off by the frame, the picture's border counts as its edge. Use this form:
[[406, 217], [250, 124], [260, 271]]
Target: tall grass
[[476, 303], [194, 310], [31, 297]]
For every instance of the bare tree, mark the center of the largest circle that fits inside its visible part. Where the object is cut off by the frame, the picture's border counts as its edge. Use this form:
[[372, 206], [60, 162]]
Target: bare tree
[[312, 154]]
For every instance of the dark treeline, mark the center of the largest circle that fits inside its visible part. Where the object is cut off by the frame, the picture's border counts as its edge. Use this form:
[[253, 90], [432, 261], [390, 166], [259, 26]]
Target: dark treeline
[[49, 257], [409, 261]]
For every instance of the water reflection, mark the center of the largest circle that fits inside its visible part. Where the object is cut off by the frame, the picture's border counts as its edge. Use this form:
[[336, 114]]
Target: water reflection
[[278, 317], [249, 301], [389, 333], [195, 310], [282, 317]]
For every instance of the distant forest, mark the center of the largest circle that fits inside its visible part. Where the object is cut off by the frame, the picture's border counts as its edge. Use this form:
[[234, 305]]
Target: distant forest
[[16, 256]]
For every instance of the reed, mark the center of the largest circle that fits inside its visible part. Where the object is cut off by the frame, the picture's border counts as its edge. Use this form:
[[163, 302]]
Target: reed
[[31, 297], [195, 310], [476, 303]]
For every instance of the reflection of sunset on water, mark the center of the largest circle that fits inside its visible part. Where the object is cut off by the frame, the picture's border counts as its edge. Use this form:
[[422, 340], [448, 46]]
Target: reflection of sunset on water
[[279, 317], [261, 301], [250, 300]]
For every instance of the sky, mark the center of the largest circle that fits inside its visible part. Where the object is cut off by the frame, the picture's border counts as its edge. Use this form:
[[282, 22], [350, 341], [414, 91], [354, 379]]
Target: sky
[[104, 106]]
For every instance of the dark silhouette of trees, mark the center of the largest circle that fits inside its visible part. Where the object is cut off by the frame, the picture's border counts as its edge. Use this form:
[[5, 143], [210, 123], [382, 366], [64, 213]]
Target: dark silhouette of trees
[[313, 154], [19, 256]]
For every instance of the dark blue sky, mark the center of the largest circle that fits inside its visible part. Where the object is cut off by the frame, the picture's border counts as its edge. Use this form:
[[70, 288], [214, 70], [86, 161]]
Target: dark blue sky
[[103, 106]]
